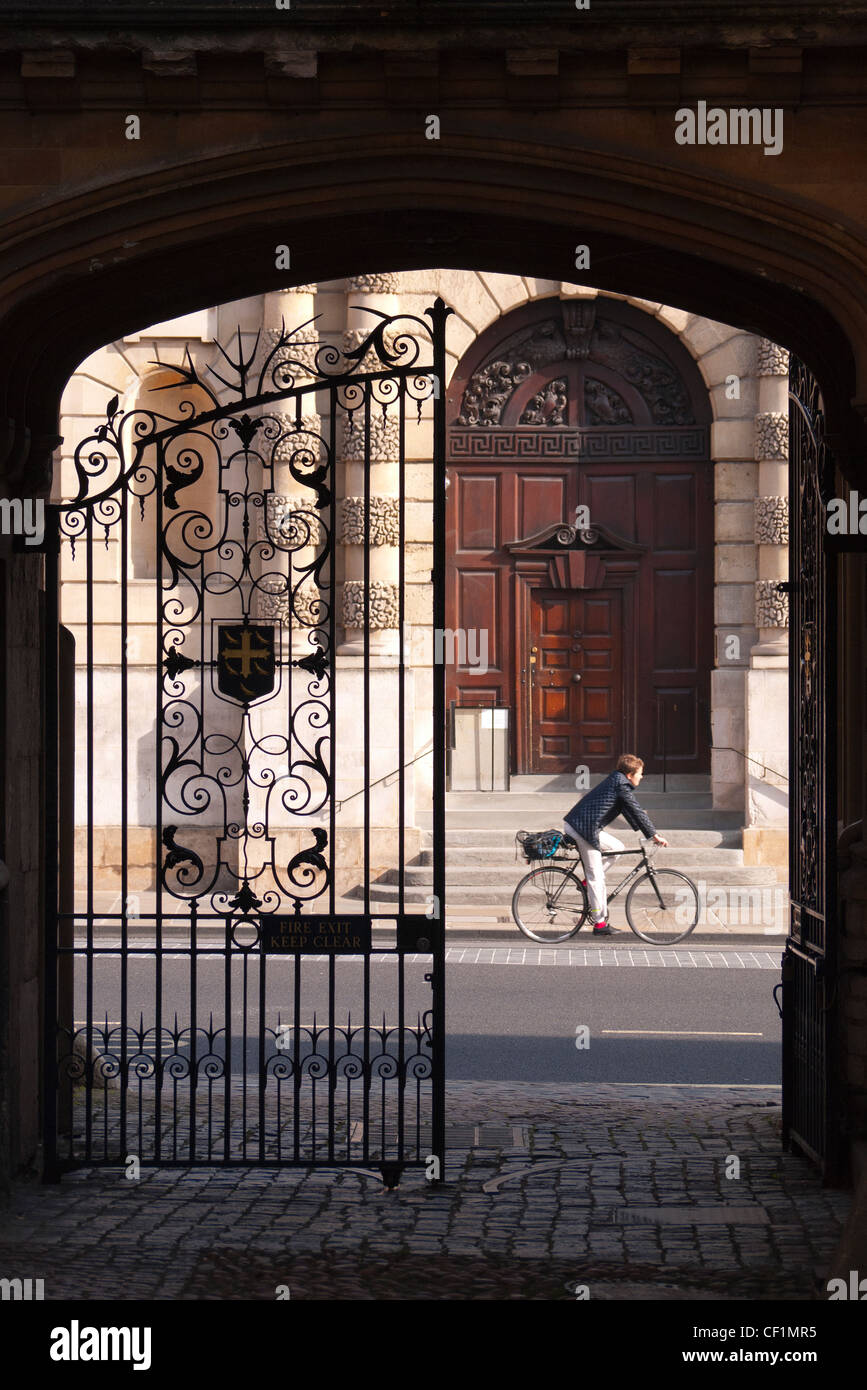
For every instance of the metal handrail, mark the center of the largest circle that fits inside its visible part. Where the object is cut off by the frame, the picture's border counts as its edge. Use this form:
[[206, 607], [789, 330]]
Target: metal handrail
[[724, 748], [338, 805]]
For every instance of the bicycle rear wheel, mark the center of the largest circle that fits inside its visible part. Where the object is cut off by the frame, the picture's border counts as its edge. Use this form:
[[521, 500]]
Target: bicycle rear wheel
[[662, 906], [550, 904]]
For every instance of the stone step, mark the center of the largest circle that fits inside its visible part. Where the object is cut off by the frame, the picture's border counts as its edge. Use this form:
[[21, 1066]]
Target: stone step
[[480, 840], [565, 782], [540, 817], [491, 857], [491, 885], [467, 875], [499, 896], [495, 803]]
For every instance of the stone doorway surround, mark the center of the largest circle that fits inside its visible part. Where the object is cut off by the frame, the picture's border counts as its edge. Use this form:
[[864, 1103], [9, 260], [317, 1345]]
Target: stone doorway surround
[[747, 382]]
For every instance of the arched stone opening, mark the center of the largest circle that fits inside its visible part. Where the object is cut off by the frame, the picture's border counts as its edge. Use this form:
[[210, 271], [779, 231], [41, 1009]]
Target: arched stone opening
[[51, 332], [155, 246]]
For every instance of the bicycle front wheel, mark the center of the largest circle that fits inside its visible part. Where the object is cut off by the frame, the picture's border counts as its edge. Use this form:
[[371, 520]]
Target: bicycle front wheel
[[550, 904], [662, 906]]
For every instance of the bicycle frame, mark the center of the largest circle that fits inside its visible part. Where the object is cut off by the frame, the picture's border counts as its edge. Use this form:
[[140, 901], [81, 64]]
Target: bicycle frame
[[646, 864]]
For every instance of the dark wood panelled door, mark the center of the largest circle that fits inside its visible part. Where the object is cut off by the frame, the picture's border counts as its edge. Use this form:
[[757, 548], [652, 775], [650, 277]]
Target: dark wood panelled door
[[592, 405], [576, 680]]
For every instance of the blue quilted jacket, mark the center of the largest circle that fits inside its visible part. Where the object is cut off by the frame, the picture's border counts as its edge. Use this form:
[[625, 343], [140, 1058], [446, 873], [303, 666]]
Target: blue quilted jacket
[[612, 798]]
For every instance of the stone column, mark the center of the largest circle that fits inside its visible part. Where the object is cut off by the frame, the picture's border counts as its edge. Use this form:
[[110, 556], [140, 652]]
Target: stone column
[[292, 523], [767, 695], [291, 514], [381, 525]]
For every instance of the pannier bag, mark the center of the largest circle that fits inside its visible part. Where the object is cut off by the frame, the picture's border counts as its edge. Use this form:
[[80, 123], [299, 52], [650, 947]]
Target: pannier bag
[[542, 844]]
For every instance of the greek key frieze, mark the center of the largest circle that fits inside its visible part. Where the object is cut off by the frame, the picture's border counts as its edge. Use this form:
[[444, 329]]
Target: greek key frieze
[[571, 444]]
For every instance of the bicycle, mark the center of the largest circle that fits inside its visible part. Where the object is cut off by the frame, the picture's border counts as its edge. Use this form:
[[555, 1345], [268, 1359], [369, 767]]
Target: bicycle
[[550, 903]]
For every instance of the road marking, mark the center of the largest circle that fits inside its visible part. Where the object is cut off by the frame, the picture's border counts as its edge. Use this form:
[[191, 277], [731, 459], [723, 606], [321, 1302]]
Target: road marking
[[679, 1033], [619, 957]]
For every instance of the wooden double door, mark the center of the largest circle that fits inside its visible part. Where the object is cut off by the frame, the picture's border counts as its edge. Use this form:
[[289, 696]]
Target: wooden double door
[[622, 628], [574, 679], [580, 537]]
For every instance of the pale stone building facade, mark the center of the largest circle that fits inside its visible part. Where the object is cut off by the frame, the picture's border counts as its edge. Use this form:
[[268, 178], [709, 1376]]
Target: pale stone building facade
[[746, 382]]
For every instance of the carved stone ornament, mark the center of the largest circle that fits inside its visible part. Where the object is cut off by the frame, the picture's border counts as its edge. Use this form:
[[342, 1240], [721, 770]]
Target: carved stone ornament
[[354, 337], [383, 611], [309, 608], [293, 444], [383, 283], [383, 528], [413, 347], [555, 340], [291, 522], [772, 521], [304, 351], [772, 360], [772, 436], [300, 289], [772, 607], [384, 438]]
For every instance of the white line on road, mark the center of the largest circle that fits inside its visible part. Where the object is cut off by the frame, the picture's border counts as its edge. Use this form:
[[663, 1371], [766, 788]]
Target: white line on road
[[678, 1033]]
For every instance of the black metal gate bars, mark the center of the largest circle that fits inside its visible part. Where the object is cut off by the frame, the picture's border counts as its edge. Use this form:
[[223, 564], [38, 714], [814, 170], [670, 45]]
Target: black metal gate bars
[[225, 984], [809, 1076]]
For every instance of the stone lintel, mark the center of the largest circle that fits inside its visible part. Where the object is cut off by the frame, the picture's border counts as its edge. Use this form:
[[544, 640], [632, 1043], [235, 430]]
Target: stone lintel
[[652, 61], [58, 62], [533, 62]]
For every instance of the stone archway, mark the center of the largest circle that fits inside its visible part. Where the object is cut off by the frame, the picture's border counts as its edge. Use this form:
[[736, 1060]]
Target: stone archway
[[151, 246], [70, 283]]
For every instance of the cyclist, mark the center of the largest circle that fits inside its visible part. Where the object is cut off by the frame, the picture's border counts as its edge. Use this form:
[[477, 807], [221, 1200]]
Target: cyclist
[[615, 796]]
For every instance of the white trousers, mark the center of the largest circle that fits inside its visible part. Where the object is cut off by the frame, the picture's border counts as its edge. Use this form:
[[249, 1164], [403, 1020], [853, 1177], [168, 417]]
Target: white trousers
[[592, 859]]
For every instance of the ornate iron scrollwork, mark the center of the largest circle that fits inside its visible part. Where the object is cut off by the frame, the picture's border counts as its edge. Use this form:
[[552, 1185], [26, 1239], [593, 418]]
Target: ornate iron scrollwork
[[212, 721], [220, 425]]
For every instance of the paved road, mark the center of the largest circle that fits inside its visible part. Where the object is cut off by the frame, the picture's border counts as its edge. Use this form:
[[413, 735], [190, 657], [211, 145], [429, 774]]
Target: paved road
[[700, 1016], [707, 1025]]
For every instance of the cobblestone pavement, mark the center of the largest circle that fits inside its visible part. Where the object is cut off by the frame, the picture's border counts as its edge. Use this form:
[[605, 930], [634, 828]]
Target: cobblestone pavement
[[546, 1187]]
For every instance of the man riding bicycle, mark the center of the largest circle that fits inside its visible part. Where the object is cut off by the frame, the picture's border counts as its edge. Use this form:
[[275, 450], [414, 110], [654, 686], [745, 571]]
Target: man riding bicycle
[[613, 797]]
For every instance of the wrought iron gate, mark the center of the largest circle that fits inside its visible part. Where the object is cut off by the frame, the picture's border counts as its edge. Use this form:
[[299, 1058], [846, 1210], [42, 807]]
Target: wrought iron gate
[[222, 985], [809, 1101]]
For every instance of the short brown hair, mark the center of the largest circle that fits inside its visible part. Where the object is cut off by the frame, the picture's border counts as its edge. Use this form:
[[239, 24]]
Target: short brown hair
[[629, 764]]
